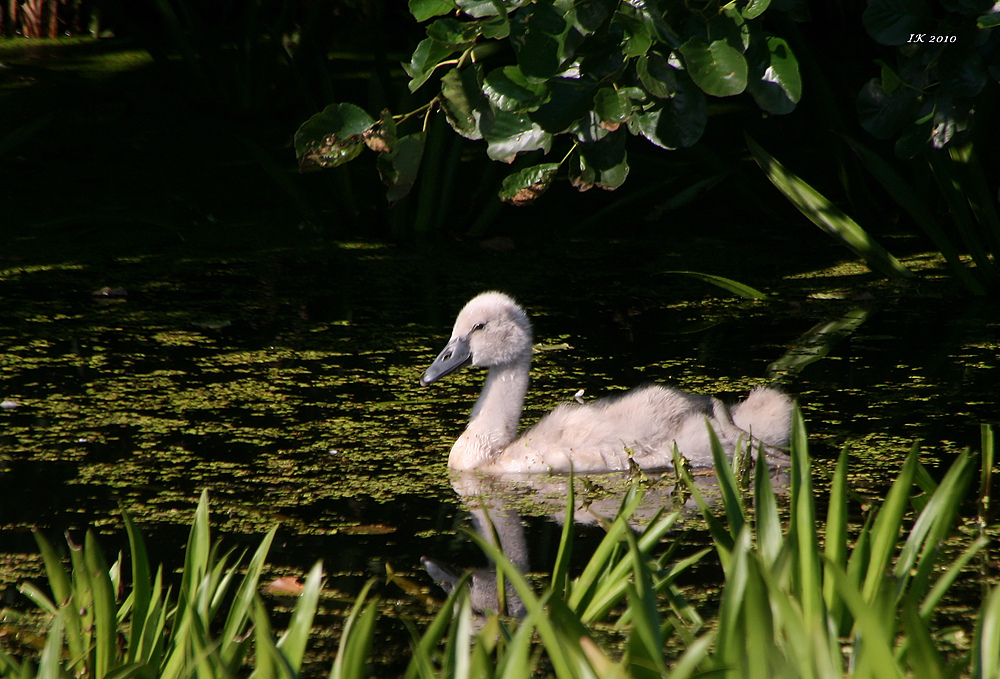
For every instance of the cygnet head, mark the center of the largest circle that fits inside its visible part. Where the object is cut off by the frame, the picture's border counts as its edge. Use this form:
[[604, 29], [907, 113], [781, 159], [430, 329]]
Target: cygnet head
[[491, 330]]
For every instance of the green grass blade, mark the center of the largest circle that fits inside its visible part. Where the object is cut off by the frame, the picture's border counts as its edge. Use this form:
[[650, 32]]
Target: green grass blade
[[141, 587], [560, 572], [50, 662], [293, 641], [919, 555], [914, 204], [827, 216], [196, 556], [930, 603], [986, 641], [803, 524], [105, 625], [835, 538], [768, 524], [242, 605], [732, 501], [885, 530], [727, 284]]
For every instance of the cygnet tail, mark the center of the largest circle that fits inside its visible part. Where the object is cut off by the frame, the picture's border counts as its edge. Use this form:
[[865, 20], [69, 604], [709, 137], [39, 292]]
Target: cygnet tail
[[767, 415]]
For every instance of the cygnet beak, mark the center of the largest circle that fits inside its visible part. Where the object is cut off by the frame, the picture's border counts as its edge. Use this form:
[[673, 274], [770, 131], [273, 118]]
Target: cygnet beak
[[455, 354]]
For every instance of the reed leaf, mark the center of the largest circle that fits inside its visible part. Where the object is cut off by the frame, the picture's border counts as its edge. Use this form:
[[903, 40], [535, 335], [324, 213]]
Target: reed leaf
[[835, 538], [827, 216], [986, 640], [105, 626], [885, 530]]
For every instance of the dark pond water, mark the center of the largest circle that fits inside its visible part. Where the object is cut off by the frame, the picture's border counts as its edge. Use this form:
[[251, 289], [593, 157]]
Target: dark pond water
[[166, 328], [285, 383]]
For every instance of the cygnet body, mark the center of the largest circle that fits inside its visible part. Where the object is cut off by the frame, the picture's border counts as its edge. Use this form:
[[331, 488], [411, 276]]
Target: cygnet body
[[642, 425]]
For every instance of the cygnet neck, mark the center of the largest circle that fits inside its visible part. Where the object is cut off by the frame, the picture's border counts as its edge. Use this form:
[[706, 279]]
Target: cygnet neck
[[498, 410]]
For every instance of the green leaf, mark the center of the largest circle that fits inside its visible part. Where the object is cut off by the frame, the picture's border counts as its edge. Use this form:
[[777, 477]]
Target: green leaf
[[826, 215], [510, 91], [525, 186], [612, 107], [988, 21], [452, 32], [717, 68], [425, 59], [891, 22], [105, 626], [638, 33], [398, 168], [656, 75], [332, 137], [677, 122], [461, 97], [603, 163], [882, 114], [508, 134], [727, 284], [775, 83], [754, 8], [422, 10], [539, 41], [489, 8]]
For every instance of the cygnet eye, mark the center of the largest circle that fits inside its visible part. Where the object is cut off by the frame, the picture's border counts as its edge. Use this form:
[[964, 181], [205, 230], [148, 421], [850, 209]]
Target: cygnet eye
[[479, 326]]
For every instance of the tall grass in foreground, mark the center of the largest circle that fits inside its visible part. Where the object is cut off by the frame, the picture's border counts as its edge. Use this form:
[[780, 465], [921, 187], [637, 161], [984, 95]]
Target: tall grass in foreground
[[792, 604]]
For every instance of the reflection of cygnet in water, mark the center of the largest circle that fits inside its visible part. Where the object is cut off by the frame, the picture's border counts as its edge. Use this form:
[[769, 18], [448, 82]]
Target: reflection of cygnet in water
[[483, 581]]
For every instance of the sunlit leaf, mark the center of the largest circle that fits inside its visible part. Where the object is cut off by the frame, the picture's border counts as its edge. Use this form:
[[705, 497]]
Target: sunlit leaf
[[508, 134], [775, 83], [426, 58], [725, 283], [677, 122], [525, 186], [824, 214], [332, 137], [656, 75], [509, 90], [717, 68], [422, 10], [461, 96]]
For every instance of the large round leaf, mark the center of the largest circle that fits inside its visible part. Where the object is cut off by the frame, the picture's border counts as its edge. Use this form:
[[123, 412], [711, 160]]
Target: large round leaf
[[462, 100], [656, 75], [717, 68], [539, 41], [525, 186], [775, 82], [508, 134], [677, 122], [884, 115]]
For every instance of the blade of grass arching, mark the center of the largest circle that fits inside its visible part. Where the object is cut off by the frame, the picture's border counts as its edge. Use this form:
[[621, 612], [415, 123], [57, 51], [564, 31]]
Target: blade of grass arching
[[988, 457], [723, 540], [917, 647], [645, 641], [732, 501], [694, 654], [920, 553], [61, 584], [242, 605], [768, 525], [885, 530], [802, 528], [196, 556], [105, 625], [875, 657], [456, 659], [425, 644], [986, 640], [560, 644], [516, 662], [727, 284], [269, 662], [585, 586], [731, 642], [293, 642], [141, 586], [50, 662], [149, 646], [930, 603], [943, 167], [827, 216], [759, 625], [835, 537], [914, 204], [560, 571]]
